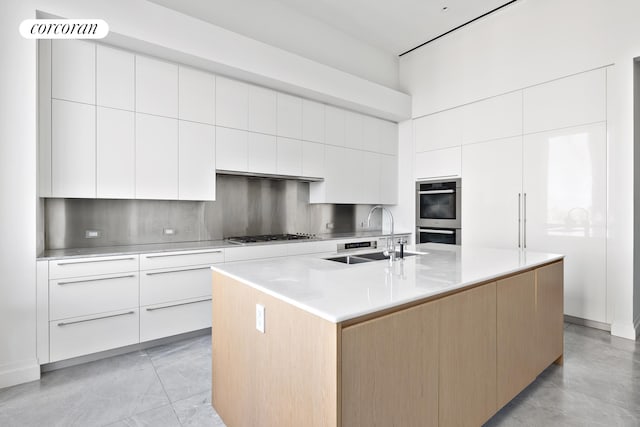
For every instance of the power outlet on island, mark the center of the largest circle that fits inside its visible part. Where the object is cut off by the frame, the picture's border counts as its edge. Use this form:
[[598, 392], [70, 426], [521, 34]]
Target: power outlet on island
[[260, 318]]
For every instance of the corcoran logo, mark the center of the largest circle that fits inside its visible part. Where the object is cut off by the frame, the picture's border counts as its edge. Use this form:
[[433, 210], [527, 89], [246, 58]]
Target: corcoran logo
[[64, 28]]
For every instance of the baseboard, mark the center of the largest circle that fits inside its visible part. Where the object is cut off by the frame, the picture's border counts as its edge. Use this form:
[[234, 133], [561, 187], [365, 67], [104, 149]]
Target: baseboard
[[625, 330], [18, 373], [122, 350], [588, 323]]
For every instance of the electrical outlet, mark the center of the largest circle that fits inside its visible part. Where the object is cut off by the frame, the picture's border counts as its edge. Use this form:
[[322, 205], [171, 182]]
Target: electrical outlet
[[91, 234], [168, 231], [260, 318], [330, 226]]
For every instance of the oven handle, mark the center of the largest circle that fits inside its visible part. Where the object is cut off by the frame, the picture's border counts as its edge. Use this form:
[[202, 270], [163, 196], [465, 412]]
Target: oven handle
[[431, 230], [437, 192]]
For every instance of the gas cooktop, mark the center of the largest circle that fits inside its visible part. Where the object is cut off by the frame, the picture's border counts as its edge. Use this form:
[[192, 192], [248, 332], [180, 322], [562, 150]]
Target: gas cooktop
[[268, 238]]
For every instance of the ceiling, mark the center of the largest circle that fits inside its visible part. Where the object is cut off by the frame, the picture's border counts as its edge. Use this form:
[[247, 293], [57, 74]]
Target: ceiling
[[392, 26]]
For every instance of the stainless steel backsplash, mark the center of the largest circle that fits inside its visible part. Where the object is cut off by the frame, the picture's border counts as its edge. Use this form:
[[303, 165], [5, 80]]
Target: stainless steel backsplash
[[244, 206]]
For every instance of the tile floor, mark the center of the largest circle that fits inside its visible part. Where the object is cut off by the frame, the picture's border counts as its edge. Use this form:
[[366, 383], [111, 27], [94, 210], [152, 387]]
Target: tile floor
[[169, 385]]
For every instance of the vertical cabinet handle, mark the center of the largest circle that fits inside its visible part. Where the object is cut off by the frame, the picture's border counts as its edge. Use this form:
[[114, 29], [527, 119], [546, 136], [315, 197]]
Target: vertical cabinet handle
[[519, 219], [524, 228]]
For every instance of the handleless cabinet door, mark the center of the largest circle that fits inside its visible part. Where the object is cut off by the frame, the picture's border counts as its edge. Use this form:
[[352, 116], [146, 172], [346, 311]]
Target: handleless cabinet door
[[156, 87], [116, 153], [565, 176], [262, 110], [571, 101], [312, 159], [388, 179], [73, 149], [492, 173], [197, 163], [115, 78], [438, 163], [196, 95], [388, 142], [231, 149], [437, 131], [369, 178], [312, 121], [354, 133], [262, 153], [334, 125], [232, 104], [493, 118], [156, 157], [289, 116], [289, 156], [73, 71]]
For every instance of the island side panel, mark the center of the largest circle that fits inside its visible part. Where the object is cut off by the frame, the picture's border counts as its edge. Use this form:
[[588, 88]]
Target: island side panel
[[290, 372], [390, 369], [467, 380], [549, 331]]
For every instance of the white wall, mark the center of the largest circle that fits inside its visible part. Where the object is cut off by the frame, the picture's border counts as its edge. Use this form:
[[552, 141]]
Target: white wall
[[636, 198], [530, 42], [154, 26]]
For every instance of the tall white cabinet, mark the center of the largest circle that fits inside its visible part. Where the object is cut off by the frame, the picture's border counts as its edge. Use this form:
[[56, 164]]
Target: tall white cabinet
[[534, 175]]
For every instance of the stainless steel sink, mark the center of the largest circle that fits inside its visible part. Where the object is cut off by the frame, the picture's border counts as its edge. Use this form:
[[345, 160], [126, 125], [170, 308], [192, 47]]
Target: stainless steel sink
[[361, 258]]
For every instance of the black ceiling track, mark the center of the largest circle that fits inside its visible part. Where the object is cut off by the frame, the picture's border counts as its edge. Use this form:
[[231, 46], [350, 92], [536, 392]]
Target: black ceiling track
[[458, 27]]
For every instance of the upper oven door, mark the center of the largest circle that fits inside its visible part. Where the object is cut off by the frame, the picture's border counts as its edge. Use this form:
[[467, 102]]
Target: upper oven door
[[438, 204]]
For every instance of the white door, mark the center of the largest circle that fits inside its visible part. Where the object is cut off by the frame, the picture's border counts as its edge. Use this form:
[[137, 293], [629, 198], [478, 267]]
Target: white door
[[196, 95], [232, 103], [289, 116], [289, 156], [116, 153], [262, 110], [388, 180], [156, 157], [73, 149], [115, 78], [565, 182], [73, 70], [492, 173], [197, 164], [231, 149], [312, 121], [262, 153], [156, 87], [312, 159], [334, 125]]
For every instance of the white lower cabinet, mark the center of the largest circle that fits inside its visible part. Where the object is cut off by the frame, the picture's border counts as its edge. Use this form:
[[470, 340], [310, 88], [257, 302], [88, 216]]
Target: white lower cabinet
[[80, 336], [161, 286], [174, 318]]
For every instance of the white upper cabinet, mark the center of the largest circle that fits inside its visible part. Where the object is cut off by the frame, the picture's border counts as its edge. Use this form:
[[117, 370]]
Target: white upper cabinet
[[289, 116], [289, 156], [312, 121], [116, 153], [492, 173], [565, 179], [262, 153], [156, 157], [262, 110], [196, 167], [339, 185], [156, 87], [369, 178], [115, 78], [438, 163], [312, 159], [571, 101], [334, 125], [232, 103], [231, 149], [388, 142], [73, 71], [354, 123], [73, 149], [196, 95], [493, 118], [439, 130], [388, 180]]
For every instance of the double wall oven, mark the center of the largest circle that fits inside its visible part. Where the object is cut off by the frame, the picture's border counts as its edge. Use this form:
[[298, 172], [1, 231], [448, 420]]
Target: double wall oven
[[438, 211]]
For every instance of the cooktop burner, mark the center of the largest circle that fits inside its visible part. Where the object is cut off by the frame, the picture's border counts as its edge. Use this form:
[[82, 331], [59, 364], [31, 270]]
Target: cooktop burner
[[268, 238]]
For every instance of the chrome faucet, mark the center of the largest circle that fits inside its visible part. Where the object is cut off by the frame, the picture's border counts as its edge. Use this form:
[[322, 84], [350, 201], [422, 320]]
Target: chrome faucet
[[391, 247]]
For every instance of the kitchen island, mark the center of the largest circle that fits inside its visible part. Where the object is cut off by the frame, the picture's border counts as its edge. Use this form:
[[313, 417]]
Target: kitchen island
[[446, 337]]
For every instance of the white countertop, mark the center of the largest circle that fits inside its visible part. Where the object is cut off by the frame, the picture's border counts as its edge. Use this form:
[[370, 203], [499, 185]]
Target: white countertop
[[339, 292]]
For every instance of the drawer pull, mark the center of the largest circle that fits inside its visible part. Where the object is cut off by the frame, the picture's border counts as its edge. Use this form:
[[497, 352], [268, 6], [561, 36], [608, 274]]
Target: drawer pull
[[176, 305], [96, 260], [96, 318], [177, 271], [191, 253], [96, 280]]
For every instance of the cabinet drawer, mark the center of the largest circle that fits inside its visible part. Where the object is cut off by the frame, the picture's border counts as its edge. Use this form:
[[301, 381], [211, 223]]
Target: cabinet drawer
[[160, 286], [180, 259], [256, 252], [78, 267], [311, 248], [94, 294], [174, 318], [91, 334]]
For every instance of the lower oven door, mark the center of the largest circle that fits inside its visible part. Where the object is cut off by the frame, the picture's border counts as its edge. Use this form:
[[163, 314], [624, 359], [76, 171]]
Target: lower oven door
[[450, 236]]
